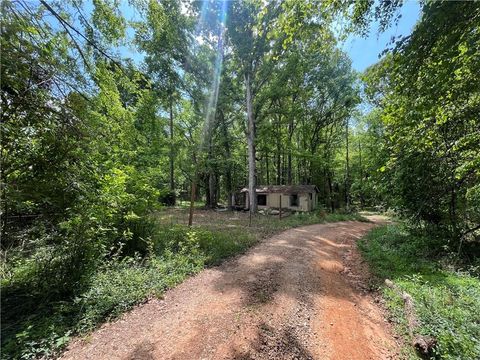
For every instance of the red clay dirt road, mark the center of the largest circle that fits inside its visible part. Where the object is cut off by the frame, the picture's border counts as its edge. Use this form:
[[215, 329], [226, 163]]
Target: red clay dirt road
[[296, 295]]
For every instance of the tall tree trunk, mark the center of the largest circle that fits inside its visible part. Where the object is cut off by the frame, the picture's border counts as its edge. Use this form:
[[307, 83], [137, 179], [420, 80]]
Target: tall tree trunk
[[211, 176], [299, 173], [193, 191], [453, 209], [267, 170], [347, 171], [206, 185], [193, 194], [279, 168], [172, 180], [330, 190], [289, 167], [362, 196], [325, 188], [212, 189], [230, 192], [217, 189], [228, 168], [289, 155], [252, 169], [260, 170], [246, 167]]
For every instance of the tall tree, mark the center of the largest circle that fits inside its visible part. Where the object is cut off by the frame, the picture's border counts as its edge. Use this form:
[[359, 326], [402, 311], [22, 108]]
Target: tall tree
[[249, 27], [164, 37]]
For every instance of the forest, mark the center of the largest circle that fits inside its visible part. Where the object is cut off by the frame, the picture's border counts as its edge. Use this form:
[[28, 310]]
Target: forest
[[115, 113]]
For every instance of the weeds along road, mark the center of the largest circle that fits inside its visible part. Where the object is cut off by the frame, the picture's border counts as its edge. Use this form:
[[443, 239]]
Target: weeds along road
[[296, 295]]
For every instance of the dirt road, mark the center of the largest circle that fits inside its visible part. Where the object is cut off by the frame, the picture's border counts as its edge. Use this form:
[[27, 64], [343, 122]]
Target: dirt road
[[297, 295]]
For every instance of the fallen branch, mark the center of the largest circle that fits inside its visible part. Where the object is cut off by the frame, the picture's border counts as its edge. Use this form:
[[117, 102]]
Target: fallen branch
[[423, 344]]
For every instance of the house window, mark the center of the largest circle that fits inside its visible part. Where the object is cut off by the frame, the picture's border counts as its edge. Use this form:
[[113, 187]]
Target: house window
[[310, 196], [294, 200], [262, 199]]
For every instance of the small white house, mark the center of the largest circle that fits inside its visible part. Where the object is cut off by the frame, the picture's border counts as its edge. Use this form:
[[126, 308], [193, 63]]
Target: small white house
[[292, 197]]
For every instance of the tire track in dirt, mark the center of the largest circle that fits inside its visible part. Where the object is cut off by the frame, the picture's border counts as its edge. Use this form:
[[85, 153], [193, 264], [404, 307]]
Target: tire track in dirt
[[289, 297]]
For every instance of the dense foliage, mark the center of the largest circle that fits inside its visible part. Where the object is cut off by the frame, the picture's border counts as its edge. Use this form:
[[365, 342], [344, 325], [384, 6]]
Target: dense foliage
[[427, 96]]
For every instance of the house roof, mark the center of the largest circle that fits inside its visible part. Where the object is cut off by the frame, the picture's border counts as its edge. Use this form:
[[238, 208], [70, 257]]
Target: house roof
[[284, 189]]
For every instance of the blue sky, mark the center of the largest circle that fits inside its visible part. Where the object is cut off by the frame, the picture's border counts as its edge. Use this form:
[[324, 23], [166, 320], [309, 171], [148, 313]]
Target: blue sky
[[364, 51]]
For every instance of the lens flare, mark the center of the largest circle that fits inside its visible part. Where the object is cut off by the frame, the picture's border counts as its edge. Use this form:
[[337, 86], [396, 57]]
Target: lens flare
[[216, 76]]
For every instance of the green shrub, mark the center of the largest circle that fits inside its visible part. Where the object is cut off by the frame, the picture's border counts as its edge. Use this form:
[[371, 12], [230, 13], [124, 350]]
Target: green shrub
[[122, 284], [213, 245], [38, 325], [225, 243], [41, 337], [137, 233]]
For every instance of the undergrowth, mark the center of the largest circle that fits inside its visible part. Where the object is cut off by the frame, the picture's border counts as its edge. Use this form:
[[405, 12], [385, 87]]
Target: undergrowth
[[446, 300]]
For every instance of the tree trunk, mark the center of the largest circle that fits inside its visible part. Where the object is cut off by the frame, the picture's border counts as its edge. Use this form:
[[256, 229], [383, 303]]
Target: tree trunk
[[330, 190], [362, 196], [325, 188], [299, 171], [193, 195], [289, 155], [246, 167], [347, 172], [230, 194], [252, 169], [228, 179], [228, 168], [289, 167], [267, 170], [212, 189], [206, 185], [172, 180], [260, 170], [279, 168], [217, 189]]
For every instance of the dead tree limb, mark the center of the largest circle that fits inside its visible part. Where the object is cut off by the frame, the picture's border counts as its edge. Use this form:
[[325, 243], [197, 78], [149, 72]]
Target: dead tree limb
[[423, 344]]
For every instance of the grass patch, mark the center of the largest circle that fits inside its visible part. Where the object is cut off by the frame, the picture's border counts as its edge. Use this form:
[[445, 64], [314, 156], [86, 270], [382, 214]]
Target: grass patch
[[259, 226], [447, 302]]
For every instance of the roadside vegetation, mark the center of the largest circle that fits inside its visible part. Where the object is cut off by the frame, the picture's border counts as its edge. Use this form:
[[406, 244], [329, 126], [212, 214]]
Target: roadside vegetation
[[445, 290], [35, 324]]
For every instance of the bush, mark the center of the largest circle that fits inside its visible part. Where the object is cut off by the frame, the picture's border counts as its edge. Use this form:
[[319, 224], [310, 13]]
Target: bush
[[213, 245], [167, 197], [137, 233], [122, 284]]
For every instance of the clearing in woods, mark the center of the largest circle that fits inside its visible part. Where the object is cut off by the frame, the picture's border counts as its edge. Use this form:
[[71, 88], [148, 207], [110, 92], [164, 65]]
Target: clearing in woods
[[296, 295]]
